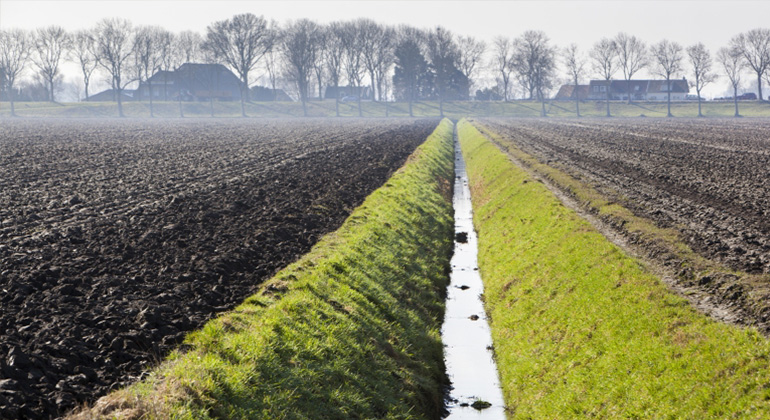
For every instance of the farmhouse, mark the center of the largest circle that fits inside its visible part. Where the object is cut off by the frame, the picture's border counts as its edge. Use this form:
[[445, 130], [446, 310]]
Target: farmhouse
[[568, 92], [111, 95], [639, 90], [193, 82], [266, 94]]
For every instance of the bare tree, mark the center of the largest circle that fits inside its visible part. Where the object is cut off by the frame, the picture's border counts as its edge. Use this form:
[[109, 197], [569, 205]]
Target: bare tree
[[700, 60], [299, 46], [471, 56], [372, 40], [334, 55], [82, 51], [632, 57], [444, 56], [114, 46], [575, 64], [240, 43], [271, 67], [668, 59], [148, 58], [534, 62], [353, 62], [186, 47], [384, 62], [411, 67], [14, 53], [754, 45], [319, 63], [503, 62], [603, 59], [188, 44], [51, 44], [733, 63]]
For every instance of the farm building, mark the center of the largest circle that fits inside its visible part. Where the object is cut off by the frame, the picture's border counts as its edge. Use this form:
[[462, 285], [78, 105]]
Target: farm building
[[194, 82], [111, 95], [639, 90], [266, 94], [568, 92]]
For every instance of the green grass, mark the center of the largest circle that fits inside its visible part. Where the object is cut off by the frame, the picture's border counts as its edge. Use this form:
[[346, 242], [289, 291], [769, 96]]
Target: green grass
[[452, 109], [349, 331], [583, 331]]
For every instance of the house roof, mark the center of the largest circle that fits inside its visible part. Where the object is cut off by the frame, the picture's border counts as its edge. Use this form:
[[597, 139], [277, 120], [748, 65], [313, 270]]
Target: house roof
[[621, 87], [568, 92], [677, 86], [110, 95], [162, 76]]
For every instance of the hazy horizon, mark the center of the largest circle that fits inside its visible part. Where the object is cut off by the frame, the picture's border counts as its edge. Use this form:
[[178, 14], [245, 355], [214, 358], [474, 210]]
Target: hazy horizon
[[565, 22]]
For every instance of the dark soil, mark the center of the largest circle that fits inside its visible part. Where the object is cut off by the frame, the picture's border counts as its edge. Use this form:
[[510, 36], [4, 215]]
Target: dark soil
[[708, 179], [118, 237]]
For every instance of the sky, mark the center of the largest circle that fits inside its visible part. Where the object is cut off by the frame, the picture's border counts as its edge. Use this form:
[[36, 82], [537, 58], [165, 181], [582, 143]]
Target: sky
[[576, 21]]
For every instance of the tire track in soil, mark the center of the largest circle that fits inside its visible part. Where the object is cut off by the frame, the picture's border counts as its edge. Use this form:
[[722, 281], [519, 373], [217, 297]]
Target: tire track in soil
[[118, 237]]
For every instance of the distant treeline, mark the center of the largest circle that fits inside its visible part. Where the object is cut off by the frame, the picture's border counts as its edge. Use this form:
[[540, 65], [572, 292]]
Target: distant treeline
[[401, 63]]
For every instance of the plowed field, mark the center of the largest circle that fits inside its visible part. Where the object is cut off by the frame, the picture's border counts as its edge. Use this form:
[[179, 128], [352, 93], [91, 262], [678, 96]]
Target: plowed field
[[708, 179], [117, 237]]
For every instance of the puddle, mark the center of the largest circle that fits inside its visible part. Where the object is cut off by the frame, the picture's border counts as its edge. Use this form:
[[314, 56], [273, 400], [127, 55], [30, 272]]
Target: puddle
[[467, 339]]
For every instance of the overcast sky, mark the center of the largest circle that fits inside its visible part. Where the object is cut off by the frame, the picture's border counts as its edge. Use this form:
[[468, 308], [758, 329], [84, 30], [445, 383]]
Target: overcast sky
[[582, 22]]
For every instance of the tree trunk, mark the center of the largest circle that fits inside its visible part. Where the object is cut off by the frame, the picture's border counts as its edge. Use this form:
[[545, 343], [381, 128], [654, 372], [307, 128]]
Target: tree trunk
[[152, 113], [320, 89], [577, 99], [120, 103], [85, 81], [50, 84], [542, 102], [360, 114], [628, 90], [700, 114], [371, 79], [735, 100], [243, 104], [668, 83], [165, 86], [759, 85]]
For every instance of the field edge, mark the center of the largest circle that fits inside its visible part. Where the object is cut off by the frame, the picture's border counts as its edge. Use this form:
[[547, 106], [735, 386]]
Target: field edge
[[732, 295], [580, 329], [352, 328]]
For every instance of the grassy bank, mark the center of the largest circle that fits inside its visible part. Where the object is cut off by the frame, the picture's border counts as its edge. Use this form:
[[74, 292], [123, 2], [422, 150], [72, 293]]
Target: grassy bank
[[452, 109], [349, 331], [583, 331]]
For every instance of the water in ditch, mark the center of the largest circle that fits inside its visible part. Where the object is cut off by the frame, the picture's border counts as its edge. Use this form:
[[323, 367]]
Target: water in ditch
[[467, 339]]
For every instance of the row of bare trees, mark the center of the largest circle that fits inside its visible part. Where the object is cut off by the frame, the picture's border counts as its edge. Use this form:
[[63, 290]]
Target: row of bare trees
[[127, 54], [402, 62], [441, 64], [629, 54]]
